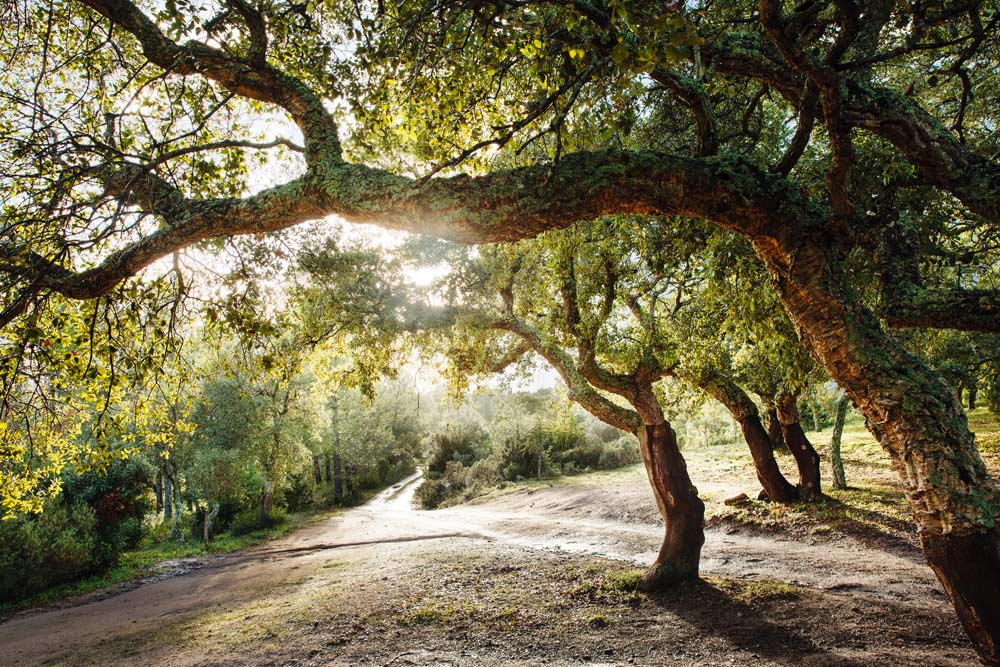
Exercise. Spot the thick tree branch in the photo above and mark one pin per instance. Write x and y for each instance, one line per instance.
(502, 206)
(580, 391)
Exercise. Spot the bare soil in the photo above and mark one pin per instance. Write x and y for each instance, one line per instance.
(533, 577)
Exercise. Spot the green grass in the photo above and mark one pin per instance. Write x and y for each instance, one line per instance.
(872, 506)
(754, 592)
(153, 549)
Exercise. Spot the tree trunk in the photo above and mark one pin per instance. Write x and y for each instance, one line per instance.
(814, 408)
(158, 490)
(777, 488)
(774, 429)
(839, 477)
(267, 501)
(338, 475)
(744, 411)
(973, 394)
(317, 471)
(915, 418)
(338, 482)
(806, 458)
(329, 475)
(683, 511)
(206, 533)
(168, 499)
(176, 532)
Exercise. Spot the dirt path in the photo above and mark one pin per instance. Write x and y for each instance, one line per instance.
(503, 583)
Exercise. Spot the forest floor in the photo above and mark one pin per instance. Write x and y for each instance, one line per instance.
(542, 573)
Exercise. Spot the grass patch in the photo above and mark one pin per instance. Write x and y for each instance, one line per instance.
(434, 614)
(598, 621)
(756, 592)
(605, 583)
(154, 549)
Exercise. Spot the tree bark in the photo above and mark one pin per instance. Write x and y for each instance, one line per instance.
(210, 514)
(744, 411)
(682, 510)
(317, 471)
(338, 481)
(814, 409)
(916, 419)
(168, 499)
(158, 490)
(338, 475)
(806, 458)
(973, 394)
(777, 488)
(267, 501)
(836, 462)
(774, 429)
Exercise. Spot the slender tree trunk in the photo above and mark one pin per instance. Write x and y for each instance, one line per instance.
(777, 488)
(806, 458)
(338, 475)
(267, 501)
(329, 475)
(744, 411)
(317, 471)
(916, 419)
(839, 478)
(206, 533)
(338, 478)
(158, 490)
(682, 510)
(973, 394)
(176, 532)
(168, 499)
(814, 408)
(774, 429)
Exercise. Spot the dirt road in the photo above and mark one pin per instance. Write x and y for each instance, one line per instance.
(523, 579)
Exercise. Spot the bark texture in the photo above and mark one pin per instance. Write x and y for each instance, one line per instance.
(210, 514)
(806, 458)
(682, 510)
(774, 429)
(836, 461)
(917, 420)
(745, 412)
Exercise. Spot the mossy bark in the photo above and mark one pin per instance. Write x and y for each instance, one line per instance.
(836, 460)
(917, 420)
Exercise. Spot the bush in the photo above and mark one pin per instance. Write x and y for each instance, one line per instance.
(431, 493)
(40, 551)
(464, 444)
(250, 520)
(119, 502)
(622, 452)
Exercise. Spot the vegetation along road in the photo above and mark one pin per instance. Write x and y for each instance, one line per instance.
(534, 576)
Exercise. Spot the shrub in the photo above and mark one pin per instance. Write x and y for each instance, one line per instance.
(622, 452)
(39, 551)
(119, 502)
(431, 493)
(250, 520)
(464, 444)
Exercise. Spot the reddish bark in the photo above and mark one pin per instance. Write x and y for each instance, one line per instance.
(683, 511)
(806, 458)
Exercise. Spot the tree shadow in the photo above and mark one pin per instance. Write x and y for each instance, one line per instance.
(715, 612)
(874, 529)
